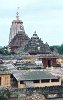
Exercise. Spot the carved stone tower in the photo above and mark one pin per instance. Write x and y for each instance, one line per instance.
(36, 46)
(17, 36)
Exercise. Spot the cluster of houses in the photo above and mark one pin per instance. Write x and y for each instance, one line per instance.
(27, 70)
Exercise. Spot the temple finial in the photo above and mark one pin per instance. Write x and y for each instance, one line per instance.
(35, 31)
(17, 14)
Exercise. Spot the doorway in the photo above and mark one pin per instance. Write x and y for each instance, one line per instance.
(49, 62)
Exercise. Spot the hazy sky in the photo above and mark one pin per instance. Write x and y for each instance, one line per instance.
(44, 16)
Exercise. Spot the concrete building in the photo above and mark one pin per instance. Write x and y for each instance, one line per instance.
(46, 60)
(4, 79)
(4, 76)
(34, 78)
(49, 60)
(27, 78)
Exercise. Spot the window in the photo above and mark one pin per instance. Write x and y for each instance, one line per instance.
(21, 82)
(36, 81)
(54, 80)
(45, 81)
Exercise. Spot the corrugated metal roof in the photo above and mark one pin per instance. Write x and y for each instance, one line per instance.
(32, 75)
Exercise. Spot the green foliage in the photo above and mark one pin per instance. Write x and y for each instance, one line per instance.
(58, 47)
(4, 94)
(4, 51)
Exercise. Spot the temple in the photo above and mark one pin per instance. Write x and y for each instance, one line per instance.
(18, 40)
(36, 46)
(17, 37)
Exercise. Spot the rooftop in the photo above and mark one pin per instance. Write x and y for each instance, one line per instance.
(32, 75)
(4, 73)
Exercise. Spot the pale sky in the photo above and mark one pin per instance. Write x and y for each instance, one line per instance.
(44, 16)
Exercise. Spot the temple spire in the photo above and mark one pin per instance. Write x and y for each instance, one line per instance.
(17, 14)
(35, 32)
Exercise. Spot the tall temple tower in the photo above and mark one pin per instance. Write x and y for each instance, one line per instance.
(17, 37)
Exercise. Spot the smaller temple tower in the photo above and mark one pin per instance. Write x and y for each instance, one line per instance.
(36, 46)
